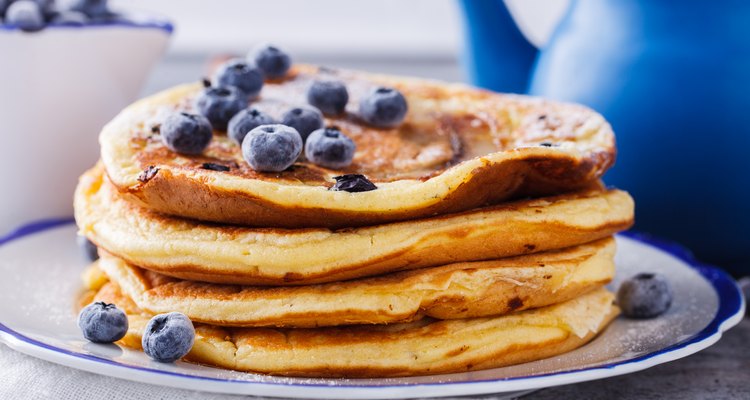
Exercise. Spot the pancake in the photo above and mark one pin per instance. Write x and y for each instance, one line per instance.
(423, 347)
(463, 290)
(252, 256)
(459, 148)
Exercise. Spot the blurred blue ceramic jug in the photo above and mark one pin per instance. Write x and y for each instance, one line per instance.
(673, 79)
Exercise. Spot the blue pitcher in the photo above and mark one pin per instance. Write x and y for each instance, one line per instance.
(673, 79)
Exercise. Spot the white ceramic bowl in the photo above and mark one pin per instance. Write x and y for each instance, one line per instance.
(58, 87)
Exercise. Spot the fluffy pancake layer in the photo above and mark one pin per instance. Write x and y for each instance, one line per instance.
(463, 290)
(418, 348)
(251, 256)
(459, 148)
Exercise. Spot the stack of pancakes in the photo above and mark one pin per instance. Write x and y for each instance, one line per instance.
(486, 243)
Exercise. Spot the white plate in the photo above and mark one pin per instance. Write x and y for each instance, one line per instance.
(40, 265)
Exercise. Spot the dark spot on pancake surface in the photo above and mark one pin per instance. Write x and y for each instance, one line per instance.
(148, 174)
(515, 303)
(353, 183)
(293, 276)
(215, 167)
(455, 352)
(529, 247)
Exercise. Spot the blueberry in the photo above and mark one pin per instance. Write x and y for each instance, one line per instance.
(645, 295)
(47, 7)
(353, 183)
(26, 15)
(330, 97)
(304, 119)
(273, 61)
(241, 75)
(92, 8)
(245, 121)
(186, 133)
(88, 248)
(168, 337)
(3, 6)
(70, 18)
(220, 104)
(383, 108)
(102, 323)
(271, 148)
(329, 148)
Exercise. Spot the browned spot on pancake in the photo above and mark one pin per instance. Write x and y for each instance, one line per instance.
(547, 276)
(293, 276)
(455, 352)
(148, 174)
(460, 233)
(529, 247)
(515, 303)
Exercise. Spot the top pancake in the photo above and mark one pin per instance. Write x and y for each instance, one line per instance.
(458, 148)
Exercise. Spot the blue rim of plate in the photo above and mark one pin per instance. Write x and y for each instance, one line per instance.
(731, 309)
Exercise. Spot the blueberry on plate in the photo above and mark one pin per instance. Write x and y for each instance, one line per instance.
(271, 148)
(245, 121)
(330, 97)
(186, 133)
(383, 108)
(26, 15)
(645, 295)
(168, 337)
(219, 104)
(329, 148)
(102, 323)
(241, 75)
(273, 61)
(304, 119)
(92, 8)
(88, 248)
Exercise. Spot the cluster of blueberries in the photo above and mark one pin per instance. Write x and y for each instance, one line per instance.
(269, 145)
(34, 15)
(167, 337)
